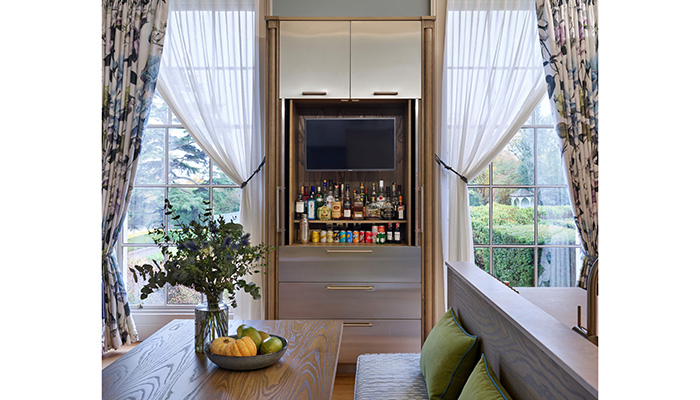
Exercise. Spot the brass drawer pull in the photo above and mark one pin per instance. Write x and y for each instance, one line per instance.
(311, 93)
(349, 251)
(386, 93)
(349, 287)
(357, 324)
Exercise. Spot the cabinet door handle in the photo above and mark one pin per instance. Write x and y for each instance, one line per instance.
(277, 209)
(379, 93)
(349, 287)
(312, 93)
(357, 324)
(349, 251)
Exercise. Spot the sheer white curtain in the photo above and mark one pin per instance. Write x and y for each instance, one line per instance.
(492, 81)
(210, 78)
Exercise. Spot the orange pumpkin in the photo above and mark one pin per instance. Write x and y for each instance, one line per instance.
(222, 346)
(244, 347)
(228, 346)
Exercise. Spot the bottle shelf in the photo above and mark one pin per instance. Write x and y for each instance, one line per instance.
(354, 221)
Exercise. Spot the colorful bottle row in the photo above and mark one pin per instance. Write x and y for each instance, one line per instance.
(353, 233)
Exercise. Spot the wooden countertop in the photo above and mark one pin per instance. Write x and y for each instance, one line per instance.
(166, 366)
(559, 302)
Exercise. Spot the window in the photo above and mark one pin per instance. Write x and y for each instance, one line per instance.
(171, 165)
(521, 215)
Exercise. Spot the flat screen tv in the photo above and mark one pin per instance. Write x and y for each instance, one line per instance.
(350, 144)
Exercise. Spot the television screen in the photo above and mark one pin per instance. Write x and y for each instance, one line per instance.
(350, 144)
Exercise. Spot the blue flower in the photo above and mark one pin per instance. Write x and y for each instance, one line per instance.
(245, 240)
(227, 240)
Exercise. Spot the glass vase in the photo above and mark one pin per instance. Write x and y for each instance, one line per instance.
(210, 322)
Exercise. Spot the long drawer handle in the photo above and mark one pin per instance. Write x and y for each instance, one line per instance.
(357, 324)
(349, 251)
(379, 93)
(349, 287)
(311, 93)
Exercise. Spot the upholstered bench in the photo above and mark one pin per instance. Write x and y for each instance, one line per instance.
(389, 376)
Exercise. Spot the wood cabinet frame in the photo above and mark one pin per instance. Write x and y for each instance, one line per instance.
(425, 180)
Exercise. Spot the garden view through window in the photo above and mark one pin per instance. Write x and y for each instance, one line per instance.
(171, 165)
(521, 214)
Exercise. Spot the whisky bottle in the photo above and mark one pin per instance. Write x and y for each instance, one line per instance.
(357, 206)
(329, 197)
(387, 211)
(299, 205)
(336, 204)
(347, 204)
(374, 209)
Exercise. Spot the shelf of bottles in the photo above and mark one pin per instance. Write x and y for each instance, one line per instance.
(335, 212)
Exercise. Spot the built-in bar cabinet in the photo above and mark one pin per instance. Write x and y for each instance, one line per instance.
(350, 102)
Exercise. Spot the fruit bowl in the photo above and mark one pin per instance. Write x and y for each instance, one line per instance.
(246, 363)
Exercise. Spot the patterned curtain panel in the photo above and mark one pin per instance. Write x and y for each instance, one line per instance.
(132, 37)
(569, 41)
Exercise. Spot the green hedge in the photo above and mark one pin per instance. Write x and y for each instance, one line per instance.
(514, 225)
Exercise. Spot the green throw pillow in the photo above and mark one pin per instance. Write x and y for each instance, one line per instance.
(483, 384)
(447, 358)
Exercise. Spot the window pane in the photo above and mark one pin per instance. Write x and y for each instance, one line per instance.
(513, 216)
(218, 176)
(479, 200)
(481, 258)
(151, 164)
(515, 266)
(227, 202)
(158, 114)
(557, 267)
(543, 112)
(550, 170)
(188, 163)
(555, 218)
(138, 256)
(188, 203)
(145, 214)
(515, 164)
(482, 178)
(183, 295)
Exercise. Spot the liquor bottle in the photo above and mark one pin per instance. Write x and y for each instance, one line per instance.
(394, 198)
(387, 211)
(390, 233)
(397, 234)
(365, 202)
(320, 201)
(381, 235)
(299, 205)
(357, 206)
(311, 204)
(304, 234)
(336, 204)
(347, 204)
(329, 197)
(374, 210)
(400, 209)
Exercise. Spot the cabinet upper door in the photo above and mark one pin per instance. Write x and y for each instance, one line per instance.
(314, 59)
(386, 59)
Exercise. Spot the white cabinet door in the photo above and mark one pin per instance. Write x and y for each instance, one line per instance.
(385, 59)
(314, 59)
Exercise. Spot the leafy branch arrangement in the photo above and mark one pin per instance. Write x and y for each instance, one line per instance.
(210, 255)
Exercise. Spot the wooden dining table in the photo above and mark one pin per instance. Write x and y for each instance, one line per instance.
(165, 365)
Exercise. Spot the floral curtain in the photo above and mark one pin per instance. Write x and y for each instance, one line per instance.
(569, 42)
(132, 38)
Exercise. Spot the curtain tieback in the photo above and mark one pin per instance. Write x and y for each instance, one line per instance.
(256, 171)
(447, 167)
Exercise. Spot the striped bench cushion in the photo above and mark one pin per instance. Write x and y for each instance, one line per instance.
(389, 376)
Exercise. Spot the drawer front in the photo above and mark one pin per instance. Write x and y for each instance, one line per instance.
(347, 264)
(378, 336)
(349, 300)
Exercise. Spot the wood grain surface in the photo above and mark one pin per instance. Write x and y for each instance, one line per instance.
(534, 355)
(165, 366)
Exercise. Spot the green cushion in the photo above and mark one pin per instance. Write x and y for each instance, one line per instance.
(483, 384)
(447, 358)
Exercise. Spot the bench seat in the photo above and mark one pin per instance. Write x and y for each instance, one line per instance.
(389, 376)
